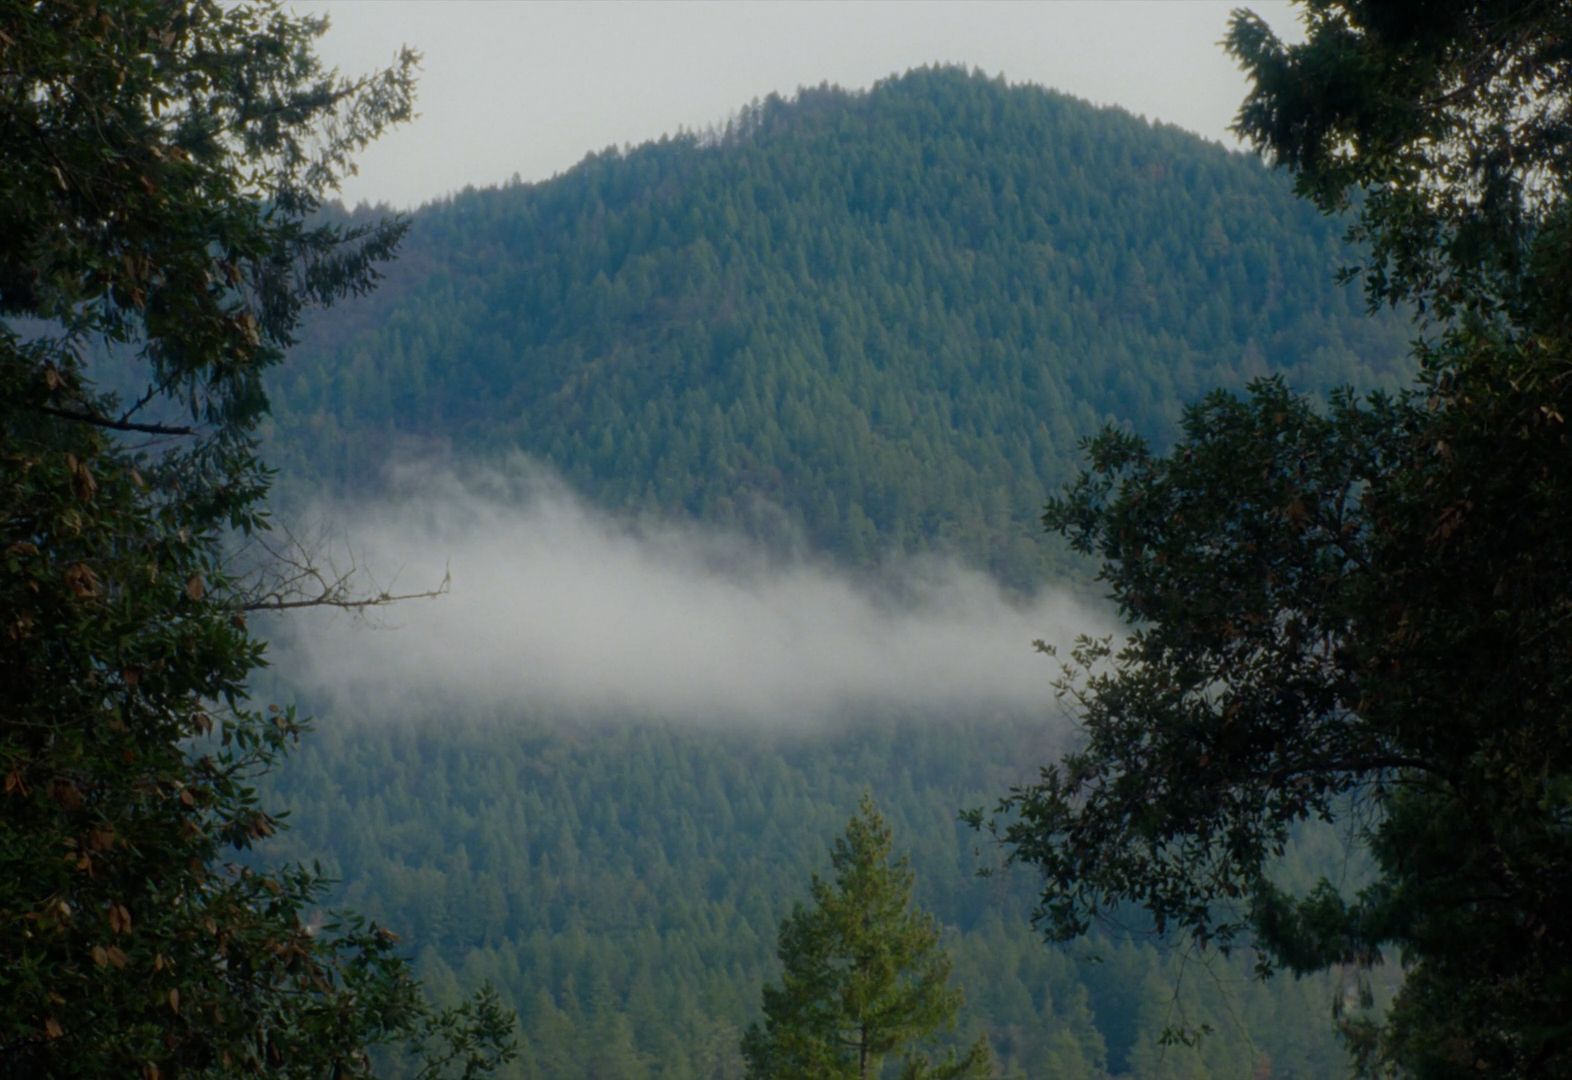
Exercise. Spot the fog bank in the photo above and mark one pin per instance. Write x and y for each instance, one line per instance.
(557, 607)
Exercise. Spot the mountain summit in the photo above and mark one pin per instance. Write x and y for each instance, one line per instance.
(869, 322)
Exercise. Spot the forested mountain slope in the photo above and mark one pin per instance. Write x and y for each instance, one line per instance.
(869, 322)
(860, 323)
(622, 888)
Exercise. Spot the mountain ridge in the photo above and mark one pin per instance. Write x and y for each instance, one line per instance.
(878, 321)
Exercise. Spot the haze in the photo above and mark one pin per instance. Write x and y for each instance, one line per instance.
(559, 608)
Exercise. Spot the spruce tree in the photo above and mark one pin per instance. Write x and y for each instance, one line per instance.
(863, 974)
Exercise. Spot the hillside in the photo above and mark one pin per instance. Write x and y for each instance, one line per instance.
(862, 323)
(622, 888)
(853, 324)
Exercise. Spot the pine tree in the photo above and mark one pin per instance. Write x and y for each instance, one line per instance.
(864, 976)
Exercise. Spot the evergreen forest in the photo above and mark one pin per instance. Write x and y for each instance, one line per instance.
(867, 323)
(622, 886)
(941, 581)
(859, 324)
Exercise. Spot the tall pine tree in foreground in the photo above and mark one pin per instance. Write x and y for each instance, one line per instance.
(863, 975)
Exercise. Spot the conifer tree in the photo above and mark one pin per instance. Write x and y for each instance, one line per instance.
(864, 976)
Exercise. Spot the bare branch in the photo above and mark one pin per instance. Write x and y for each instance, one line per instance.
(291, 573)
(326, 599)
(114, 425)
(154, 390)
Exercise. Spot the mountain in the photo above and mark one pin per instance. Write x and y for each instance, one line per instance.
(863, 323)
(856, 324)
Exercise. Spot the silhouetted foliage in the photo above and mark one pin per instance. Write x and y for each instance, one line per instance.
(160, 167)
(1361, 609)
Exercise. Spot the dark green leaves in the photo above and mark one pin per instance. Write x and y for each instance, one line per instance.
(1447, 124)
(1229, 713)
(1361, 612)
(159, 166)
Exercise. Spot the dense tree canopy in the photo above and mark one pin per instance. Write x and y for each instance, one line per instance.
(623, 887)
(864, 322)
(1360, 608)
(160, 165)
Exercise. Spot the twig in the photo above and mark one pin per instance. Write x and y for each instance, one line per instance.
(115, 425)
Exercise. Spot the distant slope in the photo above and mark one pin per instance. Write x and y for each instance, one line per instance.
(622, 888)
(874, 321)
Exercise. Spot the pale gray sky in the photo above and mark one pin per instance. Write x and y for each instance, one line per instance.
(530, 88)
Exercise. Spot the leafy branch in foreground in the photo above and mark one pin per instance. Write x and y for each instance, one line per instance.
(1360, 607)
(161, 168)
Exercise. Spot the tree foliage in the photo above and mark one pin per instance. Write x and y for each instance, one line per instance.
(863, 976)
(161, 166)
(1360, 609)
(1447, 123)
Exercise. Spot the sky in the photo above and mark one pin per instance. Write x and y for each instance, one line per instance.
(528, 89)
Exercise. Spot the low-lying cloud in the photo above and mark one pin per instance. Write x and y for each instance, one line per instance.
(556, 607)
